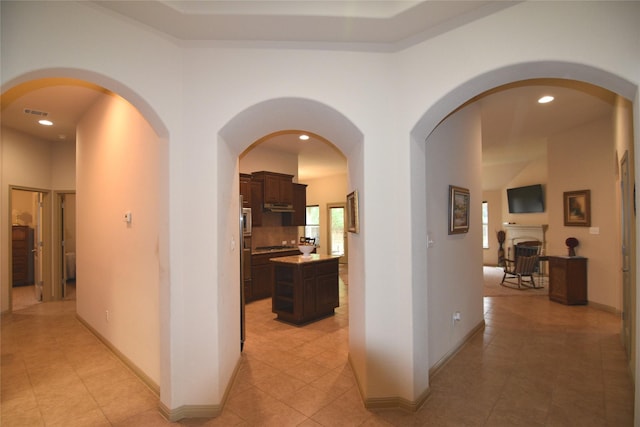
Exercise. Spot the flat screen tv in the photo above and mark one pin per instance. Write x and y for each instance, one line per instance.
(527, 199)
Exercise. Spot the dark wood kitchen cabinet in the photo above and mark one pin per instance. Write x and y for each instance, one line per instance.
(22, 255)
(277, 187)
(305, 289)
(256, 203)
(261, 277)
(568, 279)
(262, 274)
(299, 217)
(245, 190)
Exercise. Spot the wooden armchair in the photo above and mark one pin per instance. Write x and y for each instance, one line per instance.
(524, 265)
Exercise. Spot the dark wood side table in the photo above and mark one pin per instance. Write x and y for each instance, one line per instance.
(568, 279)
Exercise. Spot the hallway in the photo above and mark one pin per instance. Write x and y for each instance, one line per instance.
(536, 363)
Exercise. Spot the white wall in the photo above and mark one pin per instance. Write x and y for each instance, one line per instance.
(118, 264)
(454, 263)
(200, 95)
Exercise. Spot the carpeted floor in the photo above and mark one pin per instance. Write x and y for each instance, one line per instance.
(492, 287)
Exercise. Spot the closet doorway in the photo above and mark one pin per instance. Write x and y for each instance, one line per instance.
(30, 246)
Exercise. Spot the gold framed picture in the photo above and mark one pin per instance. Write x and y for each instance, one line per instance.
(353, 224)
(577, 208)
(459, 206)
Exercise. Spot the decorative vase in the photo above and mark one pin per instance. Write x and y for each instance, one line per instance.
(571, 243)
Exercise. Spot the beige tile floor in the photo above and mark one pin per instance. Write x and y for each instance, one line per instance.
(536, 363)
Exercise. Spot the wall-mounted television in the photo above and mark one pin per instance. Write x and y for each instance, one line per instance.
(527, 199)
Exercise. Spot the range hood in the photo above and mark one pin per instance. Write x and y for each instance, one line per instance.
(278, 207)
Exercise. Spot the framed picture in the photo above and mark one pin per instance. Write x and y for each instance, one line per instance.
(459, 206)
(577, 208)
(353, 225)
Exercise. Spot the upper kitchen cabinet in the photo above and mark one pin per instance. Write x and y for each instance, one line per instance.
(245, 190)
(277, 187)
(299, 216)
(256, 203)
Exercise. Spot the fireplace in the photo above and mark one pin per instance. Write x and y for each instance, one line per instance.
(517, 233)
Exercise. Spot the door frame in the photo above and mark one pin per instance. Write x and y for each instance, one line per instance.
(45, 254)
(627, 222)
(59, 274)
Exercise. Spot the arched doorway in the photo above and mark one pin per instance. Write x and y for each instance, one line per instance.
(143, 146)
(252, 124)
(427, 202)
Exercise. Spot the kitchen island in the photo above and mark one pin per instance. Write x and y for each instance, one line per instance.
(305, 288)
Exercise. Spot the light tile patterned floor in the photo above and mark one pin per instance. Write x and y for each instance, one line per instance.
(536, 363)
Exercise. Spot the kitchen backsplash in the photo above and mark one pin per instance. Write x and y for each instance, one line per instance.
(272, 233)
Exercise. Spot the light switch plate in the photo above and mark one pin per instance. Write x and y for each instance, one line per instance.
(594, 230)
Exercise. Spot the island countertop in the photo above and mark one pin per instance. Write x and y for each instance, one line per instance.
(299, 259)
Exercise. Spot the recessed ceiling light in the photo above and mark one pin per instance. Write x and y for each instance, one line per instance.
(545, 99)
(304, 137)
(44, 122)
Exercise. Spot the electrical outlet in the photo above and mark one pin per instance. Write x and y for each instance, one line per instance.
(456, 316)
(107, 315)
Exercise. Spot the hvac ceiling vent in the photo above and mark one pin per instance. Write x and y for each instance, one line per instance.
(35, 112)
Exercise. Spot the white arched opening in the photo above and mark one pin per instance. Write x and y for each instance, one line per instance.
(236, 136)
(427, 262)
(138, 142)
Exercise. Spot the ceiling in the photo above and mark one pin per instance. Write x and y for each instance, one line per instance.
(381, 25)
(514, 125)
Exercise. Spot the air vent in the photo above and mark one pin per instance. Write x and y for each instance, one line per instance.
(35, 112)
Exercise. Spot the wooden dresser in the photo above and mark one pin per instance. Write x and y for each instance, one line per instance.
(22, 252)
(568, 279)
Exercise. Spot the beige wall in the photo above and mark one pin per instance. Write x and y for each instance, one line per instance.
(534, 173)
(264, 159)
(323, 191)
(23, 207)
(32, 163)
(584, 159)
(494, 199)
(119, 264)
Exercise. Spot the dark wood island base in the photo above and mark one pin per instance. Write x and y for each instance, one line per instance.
(305, 289)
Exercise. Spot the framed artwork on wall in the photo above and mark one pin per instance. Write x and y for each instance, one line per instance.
(577, 208)
(459, 206)
(353, 224)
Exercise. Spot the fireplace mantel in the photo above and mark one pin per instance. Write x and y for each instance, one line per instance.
(517, 233)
